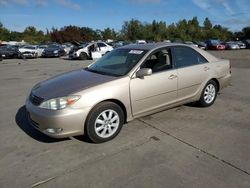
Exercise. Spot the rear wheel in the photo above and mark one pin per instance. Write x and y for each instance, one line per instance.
(104, 122)
(83, 56)
(209, 94)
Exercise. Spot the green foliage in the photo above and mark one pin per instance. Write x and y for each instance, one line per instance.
(183, 30)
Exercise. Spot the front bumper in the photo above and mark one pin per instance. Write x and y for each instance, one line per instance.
(68, 122)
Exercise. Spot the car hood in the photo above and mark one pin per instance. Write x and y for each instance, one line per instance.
(69, 83)
(26, 50)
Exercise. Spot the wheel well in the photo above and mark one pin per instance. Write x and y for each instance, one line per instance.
(121, 105)
(83, 53)
(217, 82)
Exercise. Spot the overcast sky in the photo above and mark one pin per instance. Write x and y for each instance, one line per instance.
(99, 14)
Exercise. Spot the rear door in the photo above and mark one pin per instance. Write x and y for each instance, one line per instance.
(193, 71)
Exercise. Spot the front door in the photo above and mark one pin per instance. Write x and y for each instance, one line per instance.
(156, 90)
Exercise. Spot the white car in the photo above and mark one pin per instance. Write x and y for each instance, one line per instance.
(140, 42)
(40, 49)
(28, 51)
(91, 50)
(191, 44)
(67, 47)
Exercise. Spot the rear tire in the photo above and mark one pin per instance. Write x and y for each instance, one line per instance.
(209, 94)
(83, 56)
(104, 122)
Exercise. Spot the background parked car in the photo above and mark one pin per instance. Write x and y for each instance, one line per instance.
(9, 51)
(201, 45)
(53, 50)
(214, 44)
(241, 44)
(28, 51)
(231, 45)
(90, 50)
(40, 49)
(191, 44)
(67, 47)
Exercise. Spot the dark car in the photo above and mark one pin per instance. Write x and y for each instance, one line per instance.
(247, 43)
(214, 44)
(8, 52)
(53, 51)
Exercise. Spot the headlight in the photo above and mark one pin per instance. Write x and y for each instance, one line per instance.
(56, 51)
(59, 103)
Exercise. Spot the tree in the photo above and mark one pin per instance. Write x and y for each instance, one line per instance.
(246, 32)
(132, 30)
(108, 34)
(207, 24)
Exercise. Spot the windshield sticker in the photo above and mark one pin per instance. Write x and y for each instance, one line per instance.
(136, 52)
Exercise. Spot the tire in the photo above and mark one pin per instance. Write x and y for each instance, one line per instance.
(209, 94)
(99, 127)
(83, 56)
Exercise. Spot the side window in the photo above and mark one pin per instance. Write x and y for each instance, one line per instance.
(159, 61)
(101, 44)
(185, 56)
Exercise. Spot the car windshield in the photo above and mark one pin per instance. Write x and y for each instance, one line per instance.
(117, 62)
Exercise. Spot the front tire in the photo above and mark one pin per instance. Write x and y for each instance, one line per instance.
(209, 94)
(104, 122)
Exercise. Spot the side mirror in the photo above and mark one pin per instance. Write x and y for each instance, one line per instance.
(143, 72)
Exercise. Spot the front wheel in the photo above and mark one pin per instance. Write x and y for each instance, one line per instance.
(104, 122)
(209, 94)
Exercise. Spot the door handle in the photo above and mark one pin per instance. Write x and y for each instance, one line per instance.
(206, 68)
(172, 76)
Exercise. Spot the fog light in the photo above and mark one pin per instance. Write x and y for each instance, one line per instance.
(53, 131)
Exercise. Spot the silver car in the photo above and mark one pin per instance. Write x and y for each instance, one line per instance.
(127, 83)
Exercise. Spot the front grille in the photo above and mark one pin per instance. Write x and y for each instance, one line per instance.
(35, 99)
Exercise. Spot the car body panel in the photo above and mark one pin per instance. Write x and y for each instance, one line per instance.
(74, 80)
(146, 95)
(191, 80)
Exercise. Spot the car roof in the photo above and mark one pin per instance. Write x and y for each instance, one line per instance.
(152, 46)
